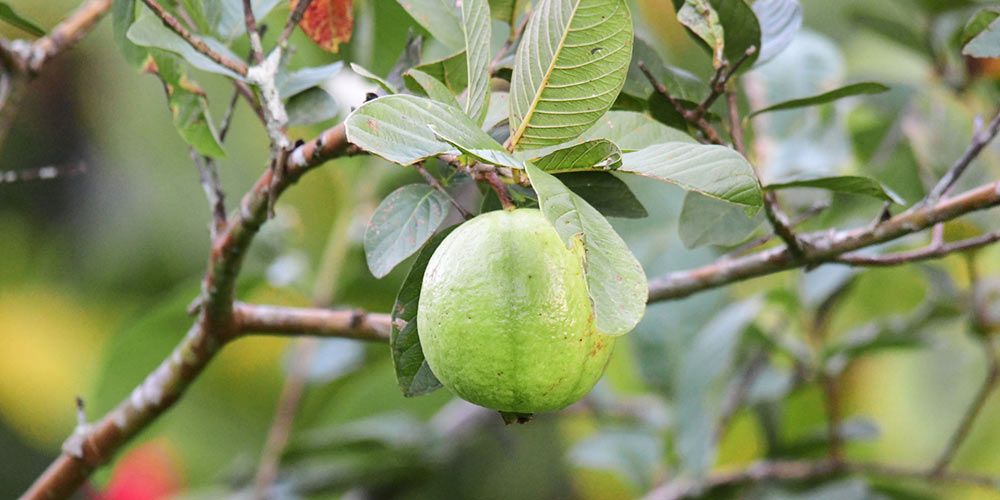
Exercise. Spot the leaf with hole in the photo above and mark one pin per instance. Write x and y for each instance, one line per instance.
(615, 279)
(851, 184)
(401, 224)
(412, 372)
(568, 69)
(854, 89)
(711, 170)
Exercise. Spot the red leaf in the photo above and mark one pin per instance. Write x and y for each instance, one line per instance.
(328, 22)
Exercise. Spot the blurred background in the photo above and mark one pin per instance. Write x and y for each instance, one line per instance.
(97, 269)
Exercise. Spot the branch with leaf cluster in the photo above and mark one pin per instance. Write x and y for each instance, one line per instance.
(221, 319)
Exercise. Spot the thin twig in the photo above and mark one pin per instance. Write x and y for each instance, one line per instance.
(293, 20)
(41, 174)
(208, 174)
(256, 48)
(979, 140)
(437, 185)
(720, 80)
(735, 126)
(972, 412)
(198, 44)
(500, 189)
(690, 116)
(932, 251)
(793, 223)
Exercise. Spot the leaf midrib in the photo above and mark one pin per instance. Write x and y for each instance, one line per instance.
(545, 80)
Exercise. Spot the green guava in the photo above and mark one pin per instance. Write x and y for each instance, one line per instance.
(504, 318)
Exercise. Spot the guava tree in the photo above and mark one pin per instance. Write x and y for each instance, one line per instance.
(533, 123)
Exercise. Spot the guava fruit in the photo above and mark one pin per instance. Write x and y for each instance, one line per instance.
(504, 318)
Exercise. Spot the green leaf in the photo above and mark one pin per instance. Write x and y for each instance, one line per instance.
(976, 25)
(8, 15)
(634, 131)
(729, 27)
(433, 87)
(708, 221)
(361, 71)
(815, 100)
(679, 83)
(598, 154)
(605, 192)
(231, 21)
(478, 147)
(412, 372)
(315, 105)
(398, 128)
(986, 44)
(852, 184)
(122, 18)
(149, 31)
(780, 21)
(476, 27)
(711, 170)
(439, 18)
(701, 383)
(615, 279)
(188, 106)
(451, 70)
(568, 69)
(507, 10)
(290, 84)
(401, 224)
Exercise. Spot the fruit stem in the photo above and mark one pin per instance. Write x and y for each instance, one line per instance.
(501, 190)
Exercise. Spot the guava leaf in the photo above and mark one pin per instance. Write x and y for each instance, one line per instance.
(451, 71)
(728, 27)
(11, 17)
(633, 131)
(412, 372)
(708, 221)
(616, 281)
(314, 105)
(399, 129)
(986, 43)
(483, 150)
(846, 91)
(231, 21)
(187, 103)
(568, 69)
(507, 10)
(597, 154)
(149, 31)
(328, 23)
(852, 184)
(605, 192)
(439, 18)
(979, 22)
(363, 72)
(715, 171)
(476, 27)
(401, 224)
(433, 87)
(292, 83)
(780, 21)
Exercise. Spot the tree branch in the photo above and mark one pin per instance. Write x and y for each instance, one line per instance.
(437, 186)
(824, 246)
(979, 140)
(275, 320)
(802, 470)
(932, 251)
(217, 323)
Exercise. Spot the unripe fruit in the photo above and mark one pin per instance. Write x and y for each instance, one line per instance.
(504, 318)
